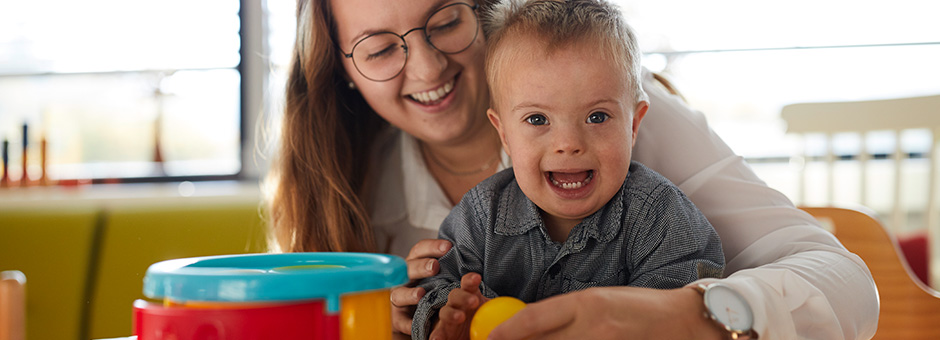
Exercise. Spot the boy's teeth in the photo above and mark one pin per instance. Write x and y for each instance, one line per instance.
(433, 95)
(573, 185)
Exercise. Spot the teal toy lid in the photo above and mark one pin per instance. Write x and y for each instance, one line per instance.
(273, 277)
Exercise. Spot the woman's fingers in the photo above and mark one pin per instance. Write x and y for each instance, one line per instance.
(406, 296)
(403, 301)
(429, 248)
(422, 263)
(401, 319)
(422, 268)
(422, 259)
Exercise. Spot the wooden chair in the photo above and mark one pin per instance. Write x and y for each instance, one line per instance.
(909, 310)
(12, 305)
(864, 117)
(908, 214)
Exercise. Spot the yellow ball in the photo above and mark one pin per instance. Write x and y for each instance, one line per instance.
(491, 314)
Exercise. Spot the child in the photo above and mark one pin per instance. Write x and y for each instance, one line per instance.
(574, 212)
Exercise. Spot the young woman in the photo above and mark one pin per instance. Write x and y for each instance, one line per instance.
(386, 128)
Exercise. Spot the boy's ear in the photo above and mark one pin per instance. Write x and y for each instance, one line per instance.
(638, 113)
(494, 119)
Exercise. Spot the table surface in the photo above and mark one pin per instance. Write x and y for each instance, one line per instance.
(395, 336)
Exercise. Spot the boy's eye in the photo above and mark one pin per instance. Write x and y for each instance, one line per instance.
(597, 118)
(537, 119)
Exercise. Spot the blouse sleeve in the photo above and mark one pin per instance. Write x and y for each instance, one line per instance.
(799, 280)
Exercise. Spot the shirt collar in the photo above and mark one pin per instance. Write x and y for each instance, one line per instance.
(516, 213)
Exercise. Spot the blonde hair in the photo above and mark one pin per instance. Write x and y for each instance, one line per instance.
(557, 24)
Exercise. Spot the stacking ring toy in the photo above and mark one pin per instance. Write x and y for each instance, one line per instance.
(322, 296)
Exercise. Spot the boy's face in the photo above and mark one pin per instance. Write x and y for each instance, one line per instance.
(569, 121)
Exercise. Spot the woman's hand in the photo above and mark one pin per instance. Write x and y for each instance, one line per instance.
(422, 263)
(613, 313)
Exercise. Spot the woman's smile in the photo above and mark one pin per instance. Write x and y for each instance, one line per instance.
(436, 99)
(435, 95)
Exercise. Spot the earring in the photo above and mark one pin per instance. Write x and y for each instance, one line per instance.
(352, 85)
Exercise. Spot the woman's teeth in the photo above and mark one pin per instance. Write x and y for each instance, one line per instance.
(433, 95)
(573, 185)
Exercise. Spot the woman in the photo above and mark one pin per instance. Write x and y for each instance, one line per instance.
(385, 129)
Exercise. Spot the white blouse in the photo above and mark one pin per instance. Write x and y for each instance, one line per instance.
(799, 280)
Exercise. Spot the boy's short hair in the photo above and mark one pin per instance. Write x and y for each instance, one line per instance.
(559, 23)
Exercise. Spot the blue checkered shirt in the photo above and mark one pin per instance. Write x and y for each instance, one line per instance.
(648, 235)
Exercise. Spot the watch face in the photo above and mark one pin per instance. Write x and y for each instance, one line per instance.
(729, 308)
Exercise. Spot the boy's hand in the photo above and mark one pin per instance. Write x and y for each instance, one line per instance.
(422, 263)
(462, 303)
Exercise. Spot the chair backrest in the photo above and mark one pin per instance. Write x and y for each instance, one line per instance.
(12, 305)
(863, 117)
(53, 247)
(909, 310)
(137, 236)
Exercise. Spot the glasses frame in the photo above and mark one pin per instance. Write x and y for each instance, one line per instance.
(404, 44)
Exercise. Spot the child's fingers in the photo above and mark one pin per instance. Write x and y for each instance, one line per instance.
(451, 315)
(451, 324)
(463, 300)
(454, 317)
(470, 282)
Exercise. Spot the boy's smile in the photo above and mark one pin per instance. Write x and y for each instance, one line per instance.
(570, 184)
(568, 119)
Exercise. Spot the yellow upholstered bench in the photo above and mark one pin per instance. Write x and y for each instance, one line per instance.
(85, 259)
(53, 247)
(136, 237)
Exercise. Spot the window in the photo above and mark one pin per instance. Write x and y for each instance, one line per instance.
(740, 62)
(124, 90)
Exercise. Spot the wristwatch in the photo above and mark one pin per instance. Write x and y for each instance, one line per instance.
(729, 310)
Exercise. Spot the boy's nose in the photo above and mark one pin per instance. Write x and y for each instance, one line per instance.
(569, 141)
(424, 62)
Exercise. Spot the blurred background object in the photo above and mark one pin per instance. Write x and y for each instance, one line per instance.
(12, 305)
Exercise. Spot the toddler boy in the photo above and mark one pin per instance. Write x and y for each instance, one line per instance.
(573, 212)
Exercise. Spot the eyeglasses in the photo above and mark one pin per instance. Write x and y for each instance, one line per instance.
(382, 56)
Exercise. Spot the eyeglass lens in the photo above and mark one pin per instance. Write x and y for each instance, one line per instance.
(382, 56)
